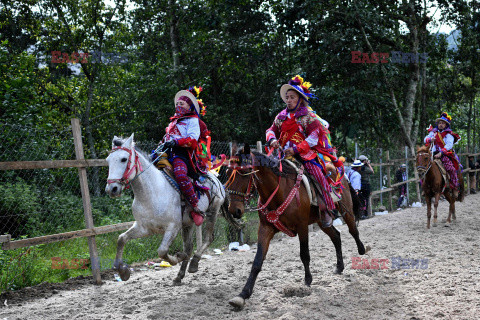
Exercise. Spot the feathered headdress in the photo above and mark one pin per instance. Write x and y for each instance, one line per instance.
(445, 117)
(196, 92)
(298, 84)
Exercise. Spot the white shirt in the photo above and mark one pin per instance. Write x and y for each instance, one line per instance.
(184, 128)
(448, 141)
(355, 179)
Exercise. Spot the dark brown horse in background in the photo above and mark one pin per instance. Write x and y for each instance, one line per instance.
(433, 185)
(265, 175)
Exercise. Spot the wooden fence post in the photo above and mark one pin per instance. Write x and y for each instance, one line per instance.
(259, 146)
(389, 182)
(87, 206)
(468, 173)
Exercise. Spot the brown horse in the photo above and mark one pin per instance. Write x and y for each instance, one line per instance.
(433, 185)
(274, 182)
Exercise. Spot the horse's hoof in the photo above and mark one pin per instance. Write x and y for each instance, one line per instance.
(193, 266)
(177, 281)
(338, 271)
(124, 272)
(237, 302)
(361, 250)
(434, 224)
(367, 249)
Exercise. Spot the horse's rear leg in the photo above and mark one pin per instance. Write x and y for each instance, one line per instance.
(451, 210)
(435, 209)
(334, 235)
(352, 228)
(170, 235)
(305, 252)
(265, 235)
(209, 236)
(135, 231)
(187, 235)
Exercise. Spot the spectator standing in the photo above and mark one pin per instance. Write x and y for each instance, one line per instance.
(472, 175)
(365, 171)
(401, 176)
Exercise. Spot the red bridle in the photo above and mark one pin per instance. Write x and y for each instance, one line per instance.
(132, 165)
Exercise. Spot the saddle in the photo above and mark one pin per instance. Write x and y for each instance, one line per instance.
(443, 171)
(312, 186)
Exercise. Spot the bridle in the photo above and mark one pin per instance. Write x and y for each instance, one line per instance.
(133, 170)
(248, 194)
(424, 169)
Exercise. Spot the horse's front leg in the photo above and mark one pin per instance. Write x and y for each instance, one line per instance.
(428, 200)
(135, 231)
(265, 235)
(170, 235)
(187, 235)
(305, 252)
(334, 235)
(435, 208)
(209, 226)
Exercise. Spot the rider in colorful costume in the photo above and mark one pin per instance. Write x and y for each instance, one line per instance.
(443, 139)
(180, 141)
(300, 132)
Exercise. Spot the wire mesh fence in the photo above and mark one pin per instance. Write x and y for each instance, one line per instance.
(41, 202)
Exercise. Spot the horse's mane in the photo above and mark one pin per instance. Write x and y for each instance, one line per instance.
(119, 141)
(272, 163)
(423, 149)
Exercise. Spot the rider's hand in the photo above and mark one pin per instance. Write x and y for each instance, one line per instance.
(289, 152)
(169, 144)
(274, 144)
(438, 155)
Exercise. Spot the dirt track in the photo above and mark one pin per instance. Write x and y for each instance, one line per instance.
(449, 288)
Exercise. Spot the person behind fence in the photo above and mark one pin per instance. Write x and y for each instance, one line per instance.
(442, 139)
(401, 176)
(301, 133)
(366, 171)
(181, 140)
(472, 175)
(354, 176)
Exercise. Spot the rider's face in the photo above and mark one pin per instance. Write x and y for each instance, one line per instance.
(292, 99)
(183, 104)
(441, 125)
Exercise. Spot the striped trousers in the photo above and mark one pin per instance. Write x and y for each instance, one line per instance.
(317, 173)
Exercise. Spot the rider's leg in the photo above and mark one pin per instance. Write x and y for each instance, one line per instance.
(448, 164)
(180, 170)
(317, 173)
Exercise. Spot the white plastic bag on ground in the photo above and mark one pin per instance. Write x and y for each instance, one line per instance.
(337, 222)
(233, 246)
(416, 205)
(381, 213)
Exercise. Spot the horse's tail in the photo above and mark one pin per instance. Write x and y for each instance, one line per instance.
(461, 188)
(356, 202)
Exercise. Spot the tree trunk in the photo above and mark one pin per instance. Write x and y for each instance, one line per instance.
(174, 19)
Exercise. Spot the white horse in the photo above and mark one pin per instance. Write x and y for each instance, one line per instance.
(157, 206)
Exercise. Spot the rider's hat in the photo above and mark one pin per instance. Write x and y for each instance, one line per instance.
(357, 163)
(300, 86)
(362, 158)
(445, 117)
(192, 98)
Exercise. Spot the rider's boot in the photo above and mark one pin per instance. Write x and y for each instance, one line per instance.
(197, 215)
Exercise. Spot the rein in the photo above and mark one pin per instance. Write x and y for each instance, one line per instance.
(131, 166)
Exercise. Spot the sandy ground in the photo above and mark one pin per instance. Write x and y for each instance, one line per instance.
(448, 288)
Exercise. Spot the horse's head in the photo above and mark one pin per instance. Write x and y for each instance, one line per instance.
(240, 181)
(424, 160)
(122, 165)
